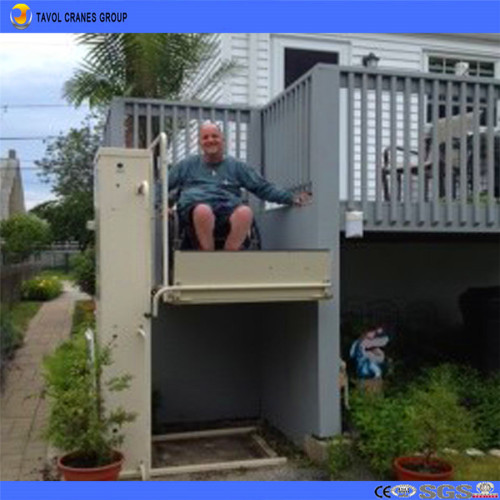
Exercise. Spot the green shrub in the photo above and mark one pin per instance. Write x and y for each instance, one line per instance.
(23, 234)
(84, 270)
(340, 455)
(426, 416)
(41, 288)
(382, 425)
(83, 316)
(10, 337)
(439, 420)
(478, 393)
(78, 420)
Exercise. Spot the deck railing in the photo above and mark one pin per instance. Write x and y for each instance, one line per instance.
(412, 150)
(420, 140)
(286, 141)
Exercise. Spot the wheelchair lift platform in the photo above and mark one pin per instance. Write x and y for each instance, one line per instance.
(253, 276)
(130, 290)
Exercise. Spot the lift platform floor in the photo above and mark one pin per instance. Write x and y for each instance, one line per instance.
(214, 450)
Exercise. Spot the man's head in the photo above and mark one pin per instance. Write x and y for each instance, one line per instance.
(211, 142)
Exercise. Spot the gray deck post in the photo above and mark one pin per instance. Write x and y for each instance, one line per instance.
(116, 123)
(254, 151)
(324, 161)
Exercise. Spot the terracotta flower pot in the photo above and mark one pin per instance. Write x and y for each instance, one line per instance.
(404, 469)
(108, 472)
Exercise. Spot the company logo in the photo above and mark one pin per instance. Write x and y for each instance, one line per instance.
(429, 491)
(383, 491)
(403, 490)
(22, 21)
(485, 490)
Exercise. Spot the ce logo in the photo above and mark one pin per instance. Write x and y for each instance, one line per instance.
(385, 491)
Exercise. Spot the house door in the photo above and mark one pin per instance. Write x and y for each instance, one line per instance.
(292, 55)
(300, 61)
(295, 54)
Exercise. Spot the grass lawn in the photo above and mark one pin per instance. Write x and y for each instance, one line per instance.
(475, 468)
(22, 312)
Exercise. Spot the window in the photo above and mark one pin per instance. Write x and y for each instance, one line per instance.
(300, 61)
(446, 65)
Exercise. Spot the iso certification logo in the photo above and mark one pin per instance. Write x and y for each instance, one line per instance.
(403, 490)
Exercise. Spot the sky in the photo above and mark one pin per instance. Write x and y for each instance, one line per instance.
(33, 70)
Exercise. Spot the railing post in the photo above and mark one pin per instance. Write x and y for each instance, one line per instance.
(324, 164)
(116, 126)
(254, 140)
(255, 144)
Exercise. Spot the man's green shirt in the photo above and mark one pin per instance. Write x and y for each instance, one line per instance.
(220, 183)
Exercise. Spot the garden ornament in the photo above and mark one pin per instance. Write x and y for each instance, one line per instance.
(368, 355)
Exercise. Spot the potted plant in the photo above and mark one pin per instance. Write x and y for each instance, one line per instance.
(79, 423)
(439, 422)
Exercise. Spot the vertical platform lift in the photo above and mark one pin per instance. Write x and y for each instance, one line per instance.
(267, 297)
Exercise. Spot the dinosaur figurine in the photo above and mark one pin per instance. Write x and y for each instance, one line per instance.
(368, 355)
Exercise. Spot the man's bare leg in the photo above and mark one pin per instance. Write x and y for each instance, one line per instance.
(204, 223)
(240, 220)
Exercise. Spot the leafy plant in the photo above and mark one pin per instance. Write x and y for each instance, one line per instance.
(479, 394)
(84, 269)
(78, 419)
(340, 455)
(439, 420)
(10, 336)
(382, 425)
(23, 235)
(41, 288)
(155, 65)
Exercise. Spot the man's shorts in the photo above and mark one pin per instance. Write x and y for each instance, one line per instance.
(222, 212)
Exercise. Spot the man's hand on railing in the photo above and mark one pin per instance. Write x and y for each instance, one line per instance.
(301, 199)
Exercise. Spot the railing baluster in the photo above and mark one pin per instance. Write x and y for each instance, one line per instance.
(423, 195)
(238, 134)
(149, 123)
(436, 212)
(297, 143)
(476, 158)
(364, 143)
(393, 163)
(448, 157)
(174, 134)
(490, 148)
(306, 168)
(407, 173)
(350, 142)
(187, 133)
(200, 122)
(135, 128)
(225, 127)
(378, 148)
(463, 154)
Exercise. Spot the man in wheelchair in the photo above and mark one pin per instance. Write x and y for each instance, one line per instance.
(210, 203)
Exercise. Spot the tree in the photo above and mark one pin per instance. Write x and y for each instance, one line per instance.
(23, 235)
(154, 65)
(68, 163)
(68, 217)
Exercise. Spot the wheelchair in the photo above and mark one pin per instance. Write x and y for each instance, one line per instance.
(183, 237)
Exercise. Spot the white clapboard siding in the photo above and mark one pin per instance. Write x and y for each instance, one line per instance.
(252, 82)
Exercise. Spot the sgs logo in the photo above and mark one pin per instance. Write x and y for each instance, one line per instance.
(21, 16)
(429, 491)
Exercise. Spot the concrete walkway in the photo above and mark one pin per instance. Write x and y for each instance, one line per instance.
(23, 411)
